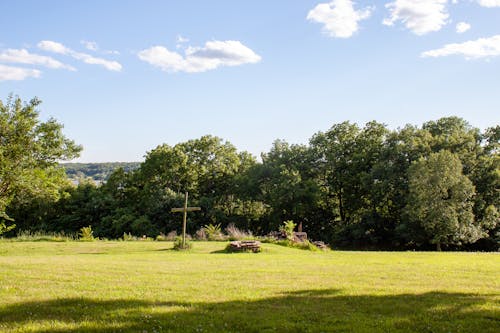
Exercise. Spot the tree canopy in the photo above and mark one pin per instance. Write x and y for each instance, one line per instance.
(29, 152)
(369, 187)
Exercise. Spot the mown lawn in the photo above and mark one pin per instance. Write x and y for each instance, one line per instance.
(146, 287)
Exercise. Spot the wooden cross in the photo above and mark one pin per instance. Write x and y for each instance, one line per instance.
(184, 210)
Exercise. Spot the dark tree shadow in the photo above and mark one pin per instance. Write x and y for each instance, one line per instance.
(301, 311)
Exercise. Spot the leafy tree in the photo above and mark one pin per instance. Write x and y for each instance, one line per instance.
(29, 152)
(440, 200)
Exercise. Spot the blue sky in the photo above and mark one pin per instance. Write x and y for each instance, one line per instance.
(126, 76)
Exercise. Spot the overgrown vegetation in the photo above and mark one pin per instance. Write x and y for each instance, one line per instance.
(425, 187)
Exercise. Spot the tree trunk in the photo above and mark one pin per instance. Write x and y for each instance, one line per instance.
(438, 246)
(341, 207)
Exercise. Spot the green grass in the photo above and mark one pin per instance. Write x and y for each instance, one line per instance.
(147, 287)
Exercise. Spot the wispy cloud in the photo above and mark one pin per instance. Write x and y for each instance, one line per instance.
(475, 49)
(200, 59)
(181, 39)
(92, 46)
(10, 73)
(339, 17)
(489, 3)
(462, 27)
(51, 46)
(22, 56)
(420, 16)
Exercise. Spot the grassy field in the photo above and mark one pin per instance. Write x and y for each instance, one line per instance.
(146, 287)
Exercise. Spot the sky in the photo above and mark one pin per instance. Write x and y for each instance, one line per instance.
(125, 76)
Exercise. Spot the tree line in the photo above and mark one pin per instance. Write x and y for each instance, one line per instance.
(418, 187)
(98, 172)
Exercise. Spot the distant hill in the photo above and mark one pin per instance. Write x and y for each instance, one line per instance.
(99, 172)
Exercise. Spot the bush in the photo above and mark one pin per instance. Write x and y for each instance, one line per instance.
(236, 234)
(200, 234)
(305, 245)
(128, 237)
(178, 244)
(214, 232)
(86, 234)
(287, 229)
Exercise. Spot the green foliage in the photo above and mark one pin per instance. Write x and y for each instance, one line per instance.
(351, 186)
(305, 245)
(440, 200)
(213, 232)
(86, 234)
(98, 172)
(127, 237)
(29, 151)
(5, 228)
(178, 246)
(287, 228)
(39, 236)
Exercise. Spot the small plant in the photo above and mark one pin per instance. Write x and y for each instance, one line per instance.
(214, 232)
(178, 244)
(86, 234)
(287, 228)
(128, 237)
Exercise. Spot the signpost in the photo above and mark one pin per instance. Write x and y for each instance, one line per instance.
(184, 210)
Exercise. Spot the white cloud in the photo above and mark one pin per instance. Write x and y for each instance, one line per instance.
(22, 56)
(420, 16)
(462, 27)
(474, 49)
(92, 46)
(181, 39)
(56, 47)
(9, 73)
(339, 17)
(200, 59)
(489, 3)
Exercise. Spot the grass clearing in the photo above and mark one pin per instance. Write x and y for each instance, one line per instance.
(146, 287)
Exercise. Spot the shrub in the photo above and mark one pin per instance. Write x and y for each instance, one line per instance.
(128, 237)
(287, 229)
(178, 244)
(86, 234)
(172, 235)
(214, 232)
(236, 234)
(305, 245)
(201, 234)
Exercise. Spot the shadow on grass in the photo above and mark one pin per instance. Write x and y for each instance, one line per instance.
(302, 311)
